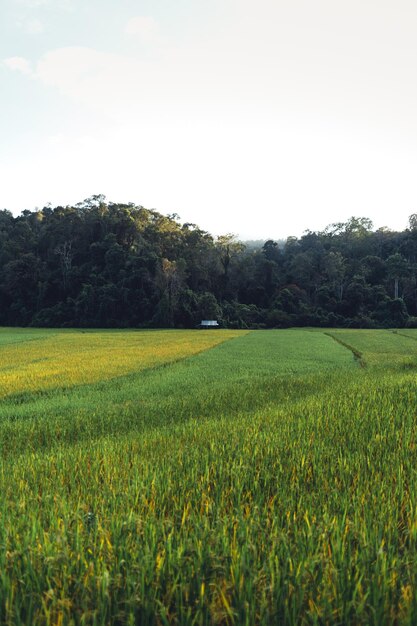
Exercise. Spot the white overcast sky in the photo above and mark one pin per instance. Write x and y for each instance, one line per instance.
(259, 117)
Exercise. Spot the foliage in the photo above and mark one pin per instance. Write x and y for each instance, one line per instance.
(107, 265)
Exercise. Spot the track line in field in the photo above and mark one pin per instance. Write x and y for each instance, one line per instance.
(358, 356)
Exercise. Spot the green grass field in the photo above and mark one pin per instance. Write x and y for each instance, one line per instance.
(208, 477)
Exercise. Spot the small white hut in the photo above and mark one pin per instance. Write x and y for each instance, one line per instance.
(208, 324)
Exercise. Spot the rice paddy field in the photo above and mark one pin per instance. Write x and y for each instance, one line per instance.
(208, 477)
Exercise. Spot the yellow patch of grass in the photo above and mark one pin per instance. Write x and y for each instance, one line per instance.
(70, 358)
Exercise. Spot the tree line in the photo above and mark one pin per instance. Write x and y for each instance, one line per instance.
(103, 264)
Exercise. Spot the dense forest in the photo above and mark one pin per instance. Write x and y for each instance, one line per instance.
(102, 264)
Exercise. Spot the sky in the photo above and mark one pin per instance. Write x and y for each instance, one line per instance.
(260, 118)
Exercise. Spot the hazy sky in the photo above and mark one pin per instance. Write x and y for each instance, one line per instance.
(263, 118)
